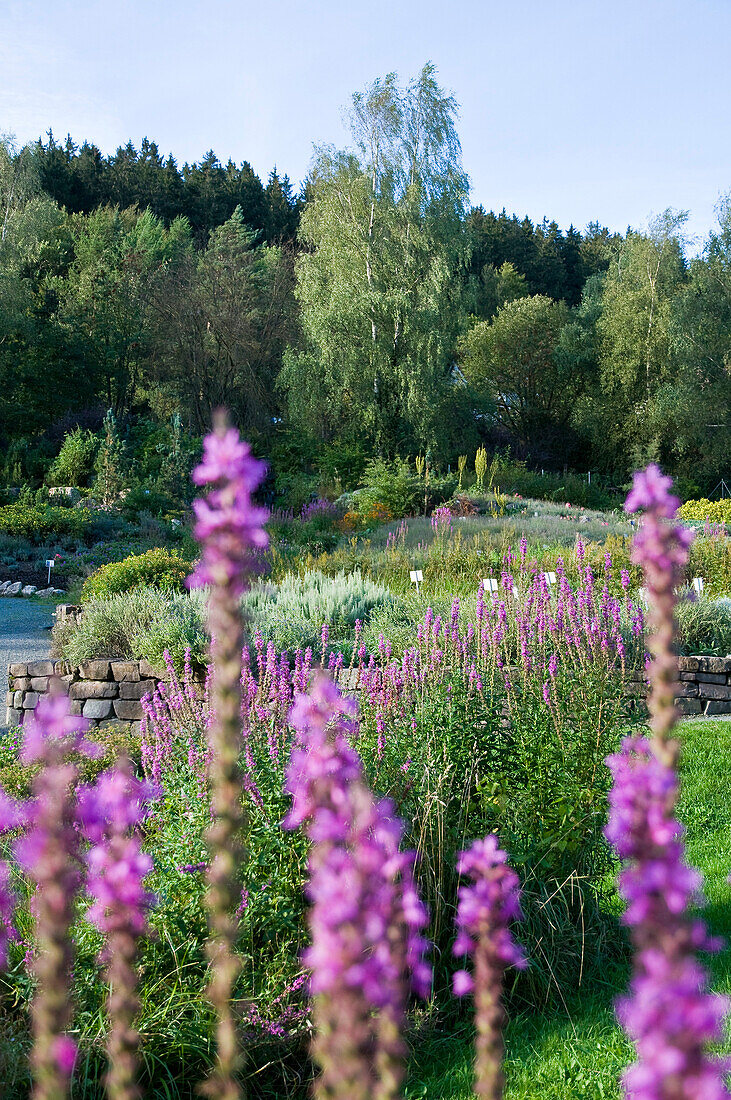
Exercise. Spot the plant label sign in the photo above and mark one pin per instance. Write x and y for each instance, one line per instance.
(416, 577)
(490, 584)
(50, 564)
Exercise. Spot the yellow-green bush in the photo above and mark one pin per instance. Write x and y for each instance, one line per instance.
(717, 511)
(158, 568)
(39, 523)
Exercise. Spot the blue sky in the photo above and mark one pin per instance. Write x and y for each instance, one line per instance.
(578, 110)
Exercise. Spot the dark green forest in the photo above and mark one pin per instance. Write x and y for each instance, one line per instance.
(375, 313)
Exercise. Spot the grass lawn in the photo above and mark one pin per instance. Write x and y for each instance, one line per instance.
(579, 1053)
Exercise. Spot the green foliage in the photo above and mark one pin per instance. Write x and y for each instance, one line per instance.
(377, 281)
(158, 567)
(110, 463)
(74, 463)
(142, 622)
(704, 626)
(715, 511)
(518, 363)
(395, 485)
(292, 614)
(41, 523)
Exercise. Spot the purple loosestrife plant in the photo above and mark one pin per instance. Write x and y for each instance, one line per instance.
(486, 906)
(12, 814)
(116, 869)
(366, 918)
(48, 853)
(669, 1012)
(229, 528)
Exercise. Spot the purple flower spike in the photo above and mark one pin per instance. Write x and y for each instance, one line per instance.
(48, 853)
(669, 1013)
(485, 909)
(228, 525)
(117, 868)
(366, 919)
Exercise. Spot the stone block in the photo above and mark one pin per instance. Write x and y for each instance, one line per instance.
(58, 686)
(29, 590)
(126, 670)
(44, 592)
(685, 691)
(714, 691)
(147, 670)
(17, 700)
(689, 706)
(688, 676)
(13, 589)
(13, 717)
(61, 668)
(714, 664)
(136, 691)
(93, 689)
(20, 683)
(39, 668)
(718, 706)
(76, 706)
(97, 708)
(30, 699)
(710, 677)
(94, 670)
(9, 698)
(4, 585)
(129, 710)
(39, 683)
(18, 670)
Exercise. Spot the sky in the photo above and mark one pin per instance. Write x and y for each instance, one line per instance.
(577, 110)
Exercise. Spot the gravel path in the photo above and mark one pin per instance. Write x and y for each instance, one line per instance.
(25, 635)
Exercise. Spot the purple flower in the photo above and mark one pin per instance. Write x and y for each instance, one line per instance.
(669, 1013)
(486, 906)
(366, 918)
(228, 525)
(48, 852)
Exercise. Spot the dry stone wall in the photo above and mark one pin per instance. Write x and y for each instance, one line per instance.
(111, 691)
(101, 690)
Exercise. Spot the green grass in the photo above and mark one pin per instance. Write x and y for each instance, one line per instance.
(579, 1053)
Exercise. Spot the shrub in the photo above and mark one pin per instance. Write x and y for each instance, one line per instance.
(391, 485)
(43, 522)
(704, 626)
(74, 463)
(292, 614)
(157, 568)
(716, 511)
(141, 623)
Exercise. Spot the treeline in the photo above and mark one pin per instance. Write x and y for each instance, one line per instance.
(375, 313)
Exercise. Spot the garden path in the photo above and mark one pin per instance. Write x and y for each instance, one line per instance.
(25, 635)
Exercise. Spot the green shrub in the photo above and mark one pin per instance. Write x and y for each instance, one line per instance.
(292, 614)
(716, 511)
(157, 568)
(74, 463)
(141, 623)
(43, 522)
(392, 484)
(704, 626)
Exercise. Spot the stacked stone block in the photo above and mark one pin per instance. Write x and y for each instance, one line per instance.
(102, 690)
(108, 690)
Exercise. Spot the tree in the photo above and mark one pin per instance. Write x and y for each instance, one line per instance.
(517, 362)
(633, 332)
(222, 318)
(105, 297)
(377, 280)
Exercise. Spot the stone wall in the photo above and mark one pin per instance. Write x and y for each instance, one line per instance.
(110, 691)
(102, 690)
(704, 685)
